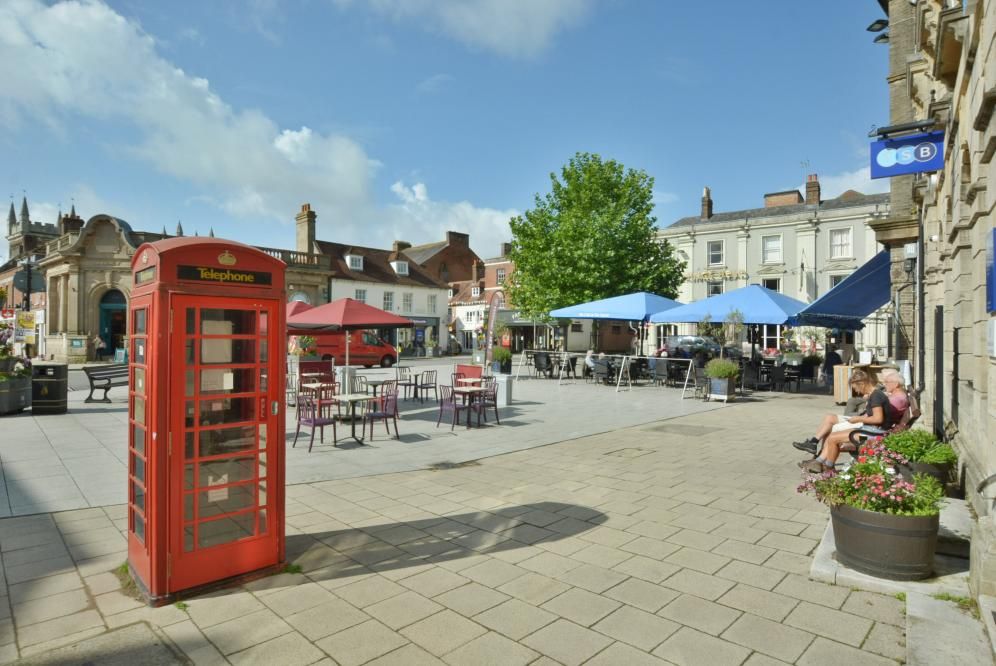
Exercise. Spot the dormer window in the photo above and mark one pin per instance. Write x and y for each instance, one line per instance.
(400, 267)
(355, 262)
(449, 293)
(475, 291)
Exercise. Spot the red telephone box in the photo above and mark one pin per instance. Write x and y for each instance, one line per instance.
(205, 414)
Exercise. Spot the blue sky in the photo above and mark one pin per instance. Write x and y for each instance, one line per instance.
(400, 119)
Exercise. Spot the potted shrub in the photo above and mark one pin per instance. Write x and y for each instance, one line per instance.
(722, 374)
(810, 366)
(926, 454)
(15, 374)
(883, 524)
(501, 360)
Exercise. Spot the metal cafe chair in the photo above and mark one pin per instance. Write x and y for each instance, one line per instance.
(309, 415)
(383, 408)
(449, 402)
(426, 381)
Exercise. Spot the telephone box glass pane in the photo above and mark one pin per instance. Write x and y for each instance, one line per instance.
(230, 470)
(224, 500)
(262, 494)
(228, 322)
(139, 321)
(188, 446)
(225, 530)
(189, 414)
(189, 385)
(139, 354)
(139, 497)
(216, 411)
(188, 477)
(139, 382)
(138, 468)
(191, 321)
(263, 352)
(139, 527)
(235, 380)
(227, 440)
(263, 326)
(188, 507)
(188, 538)
(262, 521)
(138, 438)
(191, 352)
(139, 409)
(215, 351)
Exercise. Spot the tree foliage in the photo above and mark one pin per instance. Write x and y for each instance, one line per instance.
(592, 236)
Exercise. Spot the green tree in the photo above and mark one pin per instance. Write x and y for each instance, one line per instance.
(593, 236)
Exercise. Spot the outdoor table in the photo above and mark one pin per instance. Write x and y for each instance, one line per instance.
(376, 383)
(352, 399)
(469, 392)
(469, 380)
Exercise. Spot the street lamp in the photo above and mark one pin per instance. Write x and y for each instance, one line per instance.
(878, 25)
(882, 38)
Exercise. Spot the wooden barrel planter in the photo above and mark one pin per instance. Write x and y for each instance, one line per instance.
(940, 472)
(884, 545)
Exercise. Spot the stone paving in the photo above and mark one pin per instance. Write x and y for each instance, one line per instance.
(677, 541)
(78, 460)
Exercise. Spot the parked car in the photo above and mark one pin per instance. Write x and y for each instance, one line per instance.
(689, 344)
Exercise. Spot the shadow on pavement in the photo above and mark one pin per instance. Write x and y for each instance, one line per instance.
(413, 543)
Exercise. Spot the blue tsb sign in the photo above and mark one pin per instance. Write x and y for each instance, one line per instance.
(909, 154)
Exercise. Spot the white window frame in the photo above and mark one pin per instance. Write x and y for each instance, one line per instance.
(710, 283)
(778, 280)
(407, 301)
(388, 301)
(850, 243)
(500, 276)
(431, 303)
(722, 253)
(475, 292)
(355, 262)
(842, 276)
(401, 267)
(360, 295)
(768, 260)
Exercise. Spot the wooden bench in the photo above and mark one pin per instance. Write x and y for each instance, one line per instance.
(105, 377)
(859, 436)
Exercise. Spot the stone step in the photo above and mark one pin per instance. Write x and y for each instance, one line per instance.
(940, 632)
(955, 533)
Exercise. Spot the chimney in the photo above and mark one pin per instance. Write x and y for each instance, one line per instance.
(785, 198)
(306, 229)
(706, 203)
(812, 189)
(457, 238)
(506, 249)
(400, 246)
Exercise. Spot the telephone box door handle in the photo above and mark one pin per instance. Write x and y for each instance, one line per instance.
(275, 407)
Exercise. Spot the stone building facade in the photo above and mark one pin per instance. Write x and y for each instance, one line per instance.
(799, 246)
(942, 61)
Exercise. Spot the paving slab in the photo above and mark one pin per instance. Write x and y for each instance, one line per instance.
(134, 644)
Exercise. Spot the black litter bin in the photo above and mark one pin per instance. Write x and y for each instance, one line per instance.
(49, 388)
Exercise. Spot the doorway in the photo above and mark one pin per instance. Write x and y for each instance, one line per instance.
(113, 315)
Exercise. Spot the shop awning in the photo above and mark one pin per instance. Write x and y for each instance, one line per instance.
(857, 296)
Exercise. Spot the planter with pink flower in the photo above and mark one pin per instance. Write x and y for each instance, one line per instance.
(883, 524)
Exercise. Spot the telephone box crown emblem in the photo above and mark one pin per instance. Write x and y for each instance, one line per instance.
(226, 258)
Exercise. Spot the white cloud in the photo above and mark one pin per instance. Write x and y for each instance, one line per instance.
(520, 28)
(664, 198)
(415, 211)
(859, 180)
(434, 83)
(80, 58)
